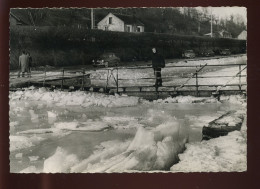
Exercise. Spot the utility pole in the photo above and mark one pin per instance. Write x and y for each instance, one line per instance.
(92, 19)
(211, 29)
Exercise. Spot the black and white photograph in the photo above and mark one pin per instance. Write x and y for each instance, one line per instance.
(128, 90)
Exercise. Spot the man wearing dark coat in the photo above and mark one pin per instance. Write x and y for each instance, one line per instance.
(158, 63)
(29, 63)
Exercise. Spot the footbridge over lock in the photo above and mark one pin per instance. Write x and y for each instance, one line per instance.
(196, 80)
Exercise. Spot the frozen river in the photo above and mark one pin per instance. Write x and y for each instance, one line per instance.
(89, 138)
(55, 131)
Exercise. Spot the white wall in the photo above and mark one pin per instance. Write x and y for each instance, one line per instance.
(141, 28)
(131, 27)
(243, 35)
(117, 24)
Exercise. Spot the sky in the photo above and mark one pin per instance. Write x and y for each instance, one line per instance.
(224, 12)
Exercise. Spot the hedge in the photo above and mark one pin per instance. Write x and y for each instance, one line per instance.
(61, 46)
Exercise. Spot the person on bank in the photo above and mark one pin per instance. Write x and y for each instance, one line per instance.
(158, 63)
(29, 64)
(23, 64)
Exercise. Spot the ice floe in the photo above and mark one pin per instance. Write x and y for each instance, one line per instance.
(21, 142)
(60, 162)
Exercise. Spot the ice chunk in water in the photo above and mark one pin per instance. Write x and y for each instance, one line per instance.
(31, 169)
(51, 114)
(142, 139)
(66, 125)
(13, 124)
(52, 117)
(19, 155)
(61, 161)
(34, 117)
(33, 158)
(19, 142)
(145, 152)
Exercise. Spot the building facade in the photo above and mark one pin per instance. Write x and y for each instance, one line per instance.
(122, 23)
(243, 35)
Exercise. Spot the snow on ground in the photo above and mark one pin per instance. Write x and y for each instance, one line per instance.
(213, 61)
(201, 121)
(187, 100)
(234, 99)
(135, 77)
(229, 121)
(81, 98)
(39, 76)
(222, 154)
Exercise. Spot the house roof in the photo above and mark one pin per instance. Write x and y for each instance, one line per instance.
(129, 19)
(243, 32)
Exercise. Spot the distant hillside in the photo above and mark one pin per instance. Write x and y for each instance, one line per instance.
(54, 17)
(160, 20)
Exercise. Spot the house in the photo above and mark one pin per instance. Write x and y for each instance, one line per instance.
(119, 22)
(220, 34)
(225, 34)
(209, 34)
(242, 35)
(16, 21)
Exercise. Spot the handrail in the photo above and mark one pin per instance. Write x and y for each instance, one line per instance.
(148, 67)
(194, 74)
(232, 78)
(147, 78)
(166, 86)
(113, 73)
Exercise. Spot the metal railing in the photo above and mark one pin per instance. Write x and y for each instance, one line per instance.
(41, 78)
(113, 73)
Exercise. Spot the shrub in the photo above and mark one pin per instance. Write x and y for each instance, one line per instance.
(61, 46)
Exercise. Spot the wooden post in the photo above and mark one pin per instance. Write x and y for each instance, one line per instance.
(117, 79)
(62, 78)
(83, 78)
(44, 76)
(240, 77)
(197, 83)
(107, 78)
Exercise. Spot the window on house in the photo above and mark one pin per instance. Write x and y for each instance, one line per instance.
(138, 29)
(110, 20)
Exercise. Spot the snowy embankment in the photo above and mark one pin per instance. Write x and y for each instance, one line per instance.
(87, 99)
(222, 154)
(80, 98)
